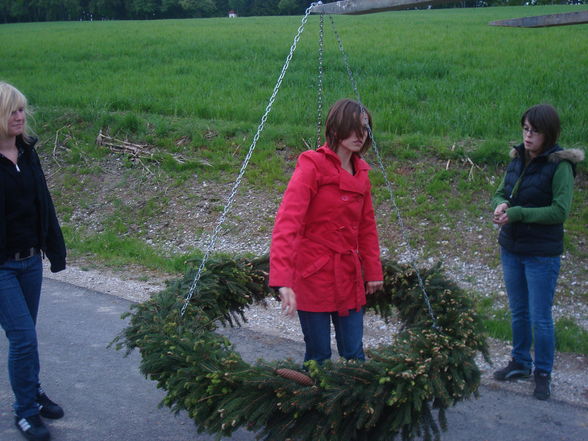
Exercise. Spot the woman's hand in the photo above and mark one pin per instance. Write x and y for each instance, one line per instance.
(372, 287)
(288, 298)
(500, 216)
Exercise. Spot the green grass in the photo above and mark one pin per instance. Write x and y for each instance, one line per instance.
(119, 251)
(569, 336)
(440, 84)
(442, 73)
(157, 82)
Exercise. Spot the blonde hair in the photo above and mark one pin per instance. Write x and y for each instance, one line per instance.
(11, 99)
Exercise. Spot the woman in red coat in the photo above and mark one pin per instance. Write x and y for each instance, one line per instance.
(325, 256)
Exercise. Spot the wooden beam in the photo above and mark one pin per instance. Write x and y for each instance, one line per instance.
(541, 21)
(356, 7)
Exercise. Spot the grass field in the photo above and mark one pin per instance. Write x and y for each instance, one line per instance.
(442, 85)
(439, 73)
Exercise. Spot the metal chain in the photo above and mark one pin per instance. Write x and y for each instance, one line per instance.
(195, 284)
(345, 59)
(403, 228)
(320, 80)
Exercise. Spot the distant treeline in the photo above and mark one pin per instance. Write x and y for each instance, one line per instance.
(60, 10)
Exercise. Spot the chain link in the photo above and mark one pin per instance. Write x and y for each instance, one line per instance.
(403, 230)
(195, 284)
(320, 95)
(345, 59)
(389, 187)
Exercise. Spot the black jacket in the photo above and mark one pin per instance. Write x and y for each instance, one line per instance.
(51, 238)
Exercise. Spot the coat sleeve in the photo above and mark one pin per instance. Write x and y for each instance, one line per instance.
(369, 248)
(289, 221)
(3, 251)
(54, 242)
(500, 196)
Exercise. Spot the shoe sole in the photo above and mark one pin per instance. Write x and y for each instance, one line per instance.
(31, 437)
(513, 375)
(51, 416)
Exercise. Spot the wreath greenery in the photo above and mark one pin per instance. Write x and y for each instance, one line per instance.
(392, 393)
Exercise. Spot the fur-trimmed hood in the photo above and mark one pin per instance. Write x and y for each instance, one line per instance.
(573, 155)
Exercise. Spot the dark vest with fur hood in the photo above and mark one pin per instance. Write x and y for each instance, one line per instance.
(534, 191)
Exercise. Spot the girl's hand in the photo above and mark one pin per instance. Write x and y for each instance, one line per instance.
(500, 216)
(288, 298)
(372, 287)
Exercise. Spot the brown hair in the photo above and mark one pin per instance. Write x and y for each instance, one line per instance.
(544, 119)
(343, 120)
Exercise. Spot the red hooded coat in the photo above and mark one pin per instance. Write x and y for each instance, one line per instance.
(325, 243)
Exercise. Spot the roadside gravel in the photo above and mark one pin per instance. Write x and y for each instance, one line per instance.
(570, 375)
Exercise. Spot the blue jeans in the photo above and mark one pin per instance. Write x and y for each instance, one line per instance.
(316, 327)
(20, 290)
(530, 283)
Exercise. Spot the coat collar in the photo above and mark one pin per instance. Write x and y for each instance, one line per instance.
(519, 151)
(358, 162)
(348, 182)
(25, 144)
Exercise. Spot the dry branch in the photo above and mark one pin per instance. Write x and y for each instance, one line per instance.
(136, 151)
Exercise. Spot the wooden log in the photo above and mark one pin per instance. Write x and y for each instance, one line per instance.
(541, 21)
(357, 7)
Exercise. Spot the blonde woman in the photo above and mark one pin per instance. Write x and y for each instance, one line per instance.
(28, 230)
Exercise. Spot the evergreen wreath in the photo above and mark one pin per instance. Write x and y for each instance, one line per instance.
(393, 393)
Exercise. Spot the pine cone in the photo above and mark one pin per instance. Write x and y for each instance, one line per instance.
(296, 376)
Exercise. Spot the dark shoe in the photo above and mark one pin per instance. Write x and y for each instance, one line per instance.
(47, 408)
(32, 428)
(513, 371)
(542, 385)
